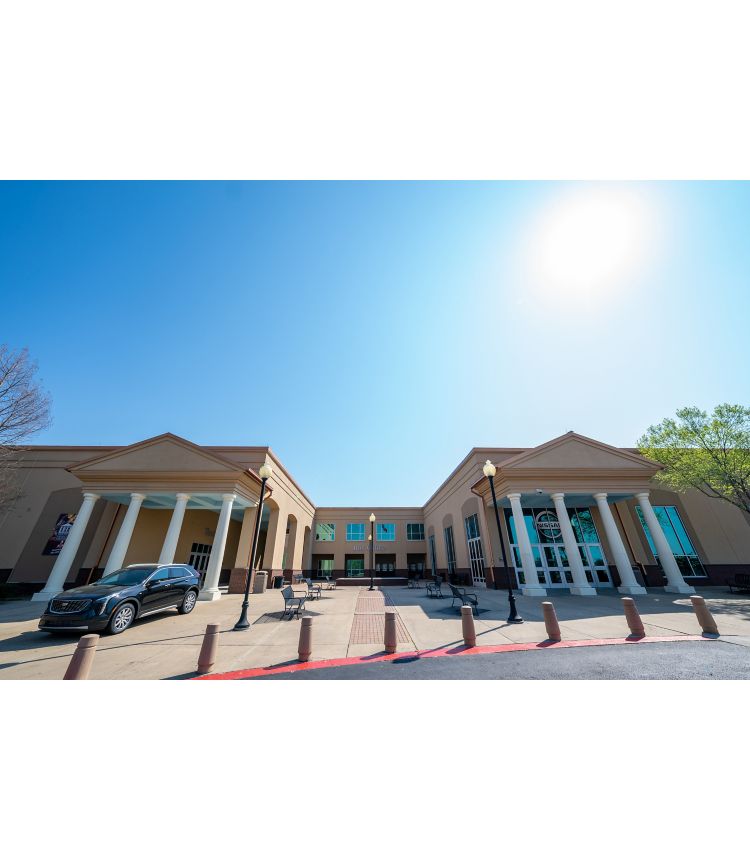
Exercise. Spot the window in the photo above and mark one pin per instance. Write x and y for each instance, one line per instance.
(325, 566)
(677, 538)
(355, 531)
(450, 549)
(433, 559)
(325, 531)
(476, 553)
(414, 531)
(160, 575)
(355, 567)
(386, 531)
(199, 555)
(178, 572)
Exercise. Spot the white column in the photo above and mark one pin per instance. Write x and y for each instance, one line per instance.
(675, 583)
(173, 532)
(210, 590)
(532, 588)
(122, 542)
(580, 585)
(628, 582)
(64, 560)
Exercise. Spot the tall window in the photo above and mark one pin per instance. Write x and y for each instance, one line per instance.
(325, 531)
(415, 531)
(355, 567)
(386, 531)
(476, 552)
(677, 538)
(433, 559)
(450, 549)
(325, 566)
(355, 531)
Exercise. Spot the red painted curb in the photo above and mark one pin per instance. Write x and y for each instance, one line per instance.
(380, 657)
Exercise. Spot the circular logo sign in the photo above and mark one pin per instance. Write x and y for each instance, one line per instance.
(548, 525)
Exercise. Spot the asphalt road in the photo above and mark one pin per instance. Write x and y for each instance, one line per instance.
(648, 661)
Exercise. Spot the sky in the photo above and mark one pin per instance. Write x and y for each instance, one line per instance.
(372, 333)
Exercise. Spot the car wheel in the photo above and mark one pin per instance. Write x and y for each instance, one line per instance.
(122, 618)
(188, 604)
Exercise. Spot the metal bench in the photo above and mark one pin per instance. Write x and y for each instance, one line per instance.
(330, 582)
(467, 598)
(741, 582)
(314, 589)
(293, 603)
(434, 588)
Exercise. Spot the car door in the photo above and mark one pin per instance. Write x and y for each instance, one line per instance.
(157, 593)
(180, 579)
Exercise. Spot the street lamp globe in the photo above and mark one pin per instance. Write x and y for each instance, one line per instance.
(372, 518)
(265, 471)
(489, 469)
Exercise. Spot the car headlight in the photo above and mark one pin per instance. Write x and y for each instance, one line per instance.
(100, 605)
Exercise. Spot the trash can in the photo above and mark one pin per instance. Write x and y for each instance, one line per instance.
(259, 586)
(278, 581)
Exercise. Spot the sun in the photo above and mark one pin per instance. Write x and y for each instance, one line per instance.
(589, 240)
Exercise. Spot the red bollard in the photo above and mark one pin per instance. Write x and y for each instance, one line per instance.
(550, 622)
(390, 633)
(304, 649)
(633, 617)
(83, 657)
(467, 626)
(210, 646)
(703, 614)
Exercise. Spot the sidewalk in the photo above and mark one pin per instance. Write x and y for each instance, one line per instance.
(347, 623)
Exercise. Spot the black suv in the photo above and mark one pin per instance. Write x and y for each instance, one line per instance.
(116, 600)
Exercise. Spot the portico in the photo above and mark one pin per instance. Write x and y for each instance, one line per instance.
(163, 474)
(557, 502)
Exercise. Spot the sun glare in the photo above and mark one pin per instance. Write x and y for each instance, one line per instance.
(589, 241)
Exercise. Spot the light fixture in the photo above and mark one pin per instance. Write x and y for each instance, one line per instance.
(372, 552)
(265, 471)
(372, 518)
(489, 469)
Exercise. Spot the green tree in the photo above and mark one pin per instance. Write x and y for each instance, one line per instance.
(709, 453)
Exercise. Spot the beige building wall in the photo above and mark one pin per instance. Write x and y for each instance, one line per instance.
(400, 548)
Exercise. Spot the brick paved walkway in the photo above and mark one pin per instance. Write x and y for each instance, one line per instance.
(368, 627)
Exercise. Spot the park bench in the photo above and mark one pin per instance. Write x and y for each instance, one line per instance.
(433, 588)
(293, 602)
(741, 582)
(467, 598)
(330, 582)
(314, 589)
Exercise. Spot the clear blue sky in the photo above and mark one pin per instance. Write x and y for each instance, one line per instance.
(372, 333)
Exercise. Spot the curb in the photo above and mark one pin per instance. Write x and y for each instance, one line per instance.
(458, 650)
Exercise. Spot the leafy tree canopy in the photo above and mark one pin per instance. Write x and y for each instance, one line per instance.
(709, 453)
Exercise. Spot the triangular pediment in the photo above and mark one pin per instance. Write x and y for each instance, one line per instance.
(166, 453)
(573, 451)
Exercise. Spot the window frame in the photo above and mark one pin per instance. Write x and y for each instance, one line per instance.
(378, 536)
(419, 526)
(331, 526)
(355, 539)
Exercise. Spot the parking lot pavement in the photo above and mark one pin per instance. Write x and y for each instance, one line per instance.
(167, 645)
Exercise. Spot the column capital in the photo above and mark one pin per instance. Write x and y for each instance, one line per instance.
(137, 497)
(229, 497)
(90, 497)
(600, 496)
(642, 496)
(558, 495)
(514, 496)
(185, 496)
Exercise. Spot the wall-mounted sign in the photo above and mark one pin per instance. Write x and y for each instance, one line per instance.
(548, 525)
(62, 528)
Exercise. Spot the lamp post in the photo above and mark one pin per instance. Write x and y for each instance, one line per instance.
(489, 472)
(372, 551)
(265, 473)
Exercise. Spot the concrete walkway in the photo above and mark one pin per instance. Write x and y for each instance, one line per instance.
(347, 623)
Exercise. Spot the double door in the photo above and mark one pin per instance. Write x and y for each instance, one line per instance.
(553, 566)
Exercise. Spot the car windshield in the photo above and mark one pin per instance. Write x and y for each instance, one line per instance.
(131, 576)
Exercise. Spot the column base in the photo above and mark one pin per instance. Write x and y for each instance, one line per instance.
(533, 591)
(45, 596)
(679, 589)
(632, 589)
(583, 590)
(209, 594)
